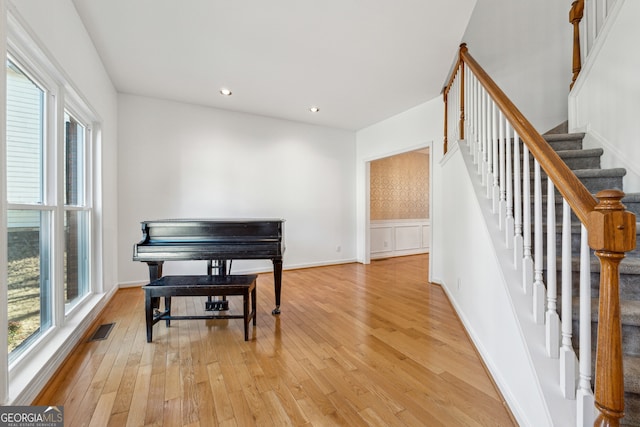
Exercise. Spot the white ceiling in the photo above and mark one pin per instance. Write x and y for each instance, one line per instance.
(359, 61)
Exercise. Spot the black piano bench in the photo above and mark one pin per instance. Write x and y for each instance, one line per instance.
(183, 286)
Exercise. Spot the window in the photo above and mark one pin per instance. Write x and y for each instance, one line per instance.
(29, 219)
(77, 213)
(48, 207)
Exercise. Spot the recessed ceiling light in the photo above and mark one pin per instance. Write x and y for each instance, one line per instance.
(226, 92)
(314, 109)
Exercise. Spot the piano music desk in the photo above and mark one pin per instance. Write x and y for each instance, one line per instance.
(182, 286)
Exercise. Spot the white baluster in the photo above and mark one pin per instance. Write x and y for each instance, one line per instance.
(454, 105)
(585, 401)
(527, 260)
(490, 165)
(502, 204)
(487, 156)
(591, 13)
(538, 284)
(471, 112)
(474, 116)
(567, 355)
(495, 194)
(452, 116)
(509, 194)
(481, 160)
(552, 320)
(518, 243)
(459, 125)
(476, 109)
(468, 99)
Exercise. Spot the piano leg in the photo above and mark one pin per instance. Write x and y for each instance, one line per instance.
(277, 283)
(155, 272)
(148, 311)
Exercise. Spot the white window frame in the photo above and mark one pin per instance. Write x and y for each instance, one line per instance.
(27, 373)
(79, 113)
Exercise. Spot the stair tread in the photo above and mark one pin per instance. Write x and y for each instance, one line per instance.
(553, 137)
(585, 173)
(585, 152)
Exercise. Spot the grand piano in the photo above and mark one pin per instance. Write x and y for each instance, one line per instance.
(214, 240)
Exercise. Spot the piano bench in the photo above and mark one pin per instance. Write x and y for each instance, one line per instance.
(183, 286)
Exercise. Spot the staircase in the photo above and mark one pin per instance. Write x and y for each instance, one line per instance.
(586, 165)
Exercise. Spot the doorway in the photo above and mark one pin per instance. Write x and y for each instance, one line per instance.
(398, 204)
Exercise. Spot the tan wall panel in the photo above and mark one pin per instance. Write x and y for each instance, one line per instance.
(399, 186)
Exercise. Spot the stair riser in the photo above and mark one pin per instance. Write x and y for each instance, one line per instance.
(572, 144)
(631, 409)
(633, 207)
(593, 184)
(629, 289)
(577, 163)
(576, 242)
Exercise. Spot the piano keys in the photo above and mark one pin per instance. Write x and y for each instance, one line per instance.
(218, 240)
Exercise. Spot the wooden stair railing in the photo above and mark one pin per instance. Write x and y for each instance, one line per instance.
(611, 231)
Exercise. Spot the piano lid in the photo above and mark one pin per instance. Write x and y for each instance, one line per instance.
(210, 239)
(195, 221)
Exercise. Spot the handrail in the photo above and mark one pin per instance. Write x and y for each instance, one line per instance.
(567, 183)
(611, 231)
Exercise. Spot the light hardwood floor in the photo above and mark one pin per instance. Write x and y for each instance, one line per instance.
(355, 345)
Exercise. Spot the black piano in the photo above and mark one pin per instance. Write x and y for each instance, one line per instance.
(214, 240)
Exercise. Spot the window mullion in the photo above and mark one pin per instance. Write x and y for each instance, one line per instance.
(57, 193)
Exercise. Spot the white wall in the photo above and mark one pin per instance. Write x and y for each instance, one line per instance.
(605, 99)
(525, 46)
(479, 286)
(415, 128)
(183, 161)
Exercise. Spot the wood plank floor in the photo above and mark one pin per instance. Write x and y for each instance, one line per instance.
(355, 345)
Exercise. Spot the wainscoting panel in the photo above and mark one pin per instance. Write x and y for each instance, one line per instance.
(391, 238)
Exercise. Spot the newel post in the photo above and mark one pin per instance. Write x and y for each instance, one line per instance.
(575, 16)
(612, 232)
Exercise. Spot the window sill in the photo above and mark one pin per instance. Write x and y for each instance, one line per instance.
(31, 372)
